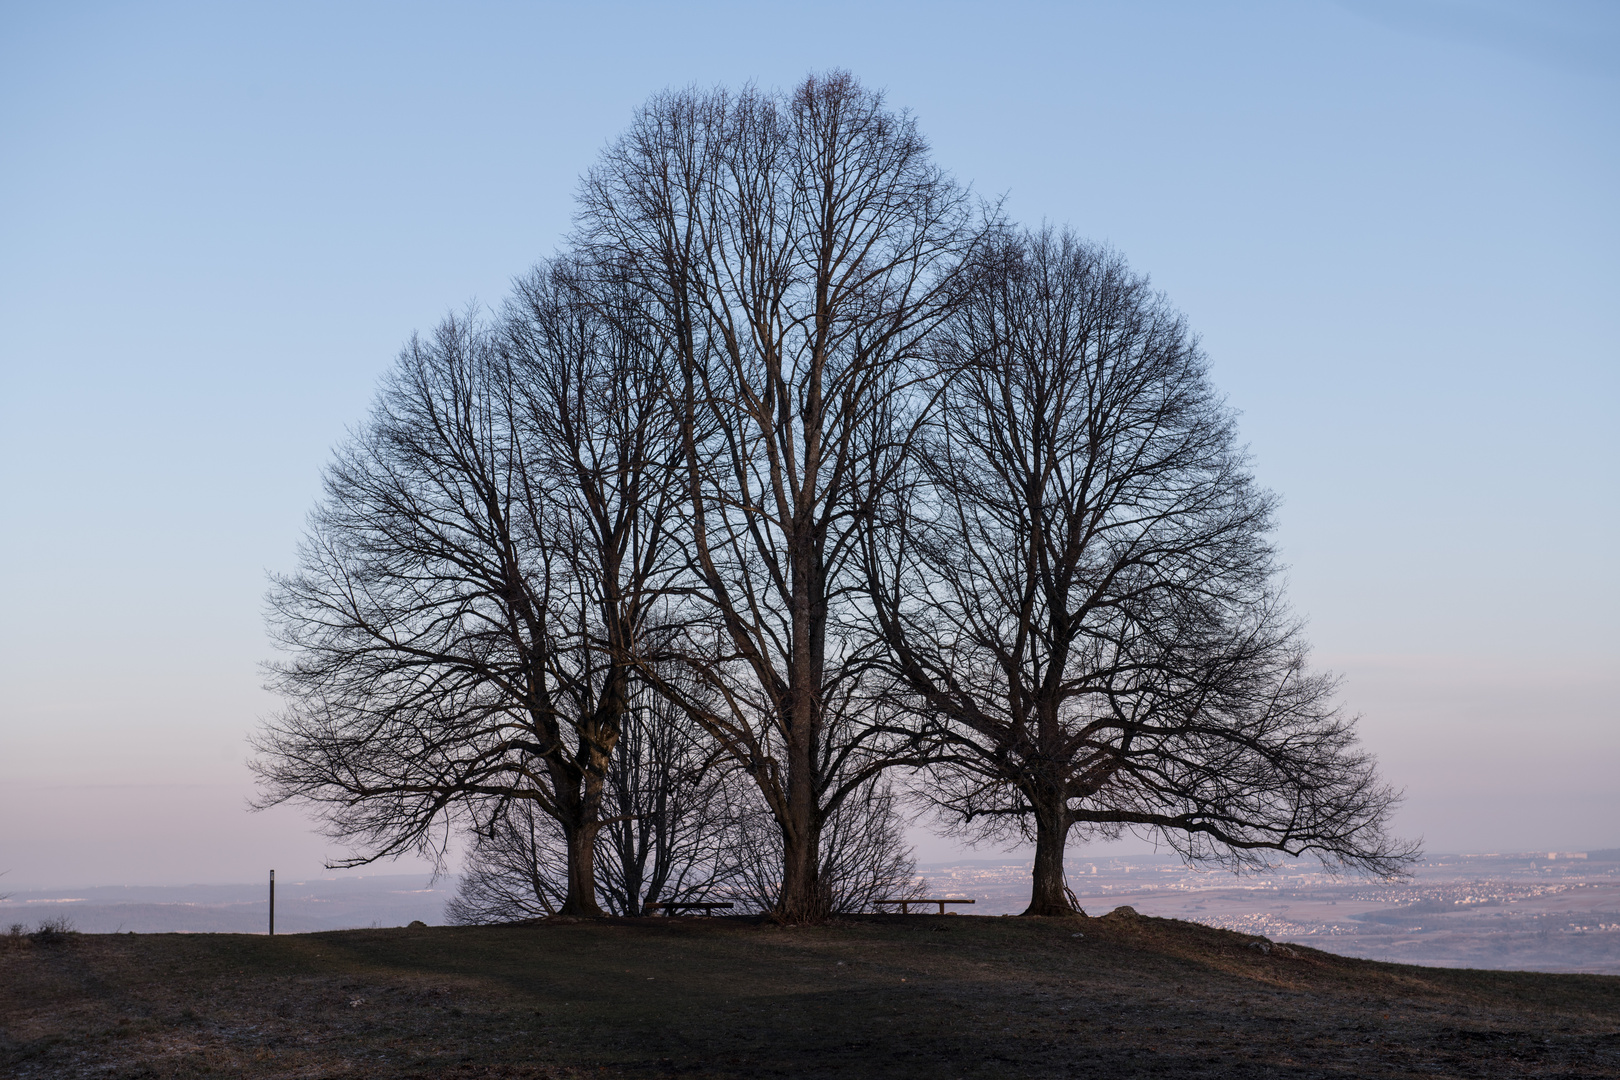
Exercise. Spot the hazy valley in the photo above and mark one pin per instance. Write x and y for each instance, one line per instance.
(1518, 911)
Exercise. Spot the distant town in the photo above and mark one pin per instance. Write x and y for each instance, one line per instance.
(1541, 911)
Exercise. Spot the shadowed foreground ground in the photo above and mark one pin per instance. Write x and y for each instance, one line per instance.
(925, 996)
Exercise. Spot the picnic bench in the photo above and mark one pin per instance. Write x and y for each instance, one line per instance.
(905, 905)
(666, 906)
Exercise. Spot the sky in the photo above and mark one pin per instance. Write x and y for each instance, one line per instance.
(1394, 224)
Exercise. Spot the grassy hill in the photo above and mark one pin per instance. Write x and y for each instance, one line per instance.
(881, 996)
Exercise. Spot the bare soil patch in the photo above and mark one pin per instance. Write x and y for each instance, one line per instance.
(889, 996)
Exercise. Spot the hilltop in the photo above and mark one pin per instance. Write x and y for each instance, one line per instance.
(889, 996)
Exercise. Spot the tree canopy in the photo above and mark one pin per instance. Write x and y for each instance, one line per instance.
(801, 475)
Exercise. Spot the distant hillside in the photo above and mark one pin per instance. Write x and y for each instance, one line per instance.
(318, 904)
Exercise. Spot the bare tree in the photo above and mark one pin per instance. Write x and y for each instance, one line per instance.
(864, 855)
(800, 445)
(460, 635)
(516, 869)
(671, 832)
(1078, 589)
(799, 248)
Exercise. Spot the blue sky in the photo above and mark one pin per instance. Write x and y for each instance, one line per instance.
(1394, 224)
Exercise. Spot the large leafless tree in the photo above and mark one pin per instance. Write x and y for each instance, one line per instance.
(1077, 588)
(460, 634)
(799, 247)
(801, 442)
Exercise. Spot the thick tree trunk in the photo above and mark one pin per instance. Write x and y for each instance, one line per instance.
(1049, 895)
(580, 821)
(801, 900)
(584, 820)
(581, 899)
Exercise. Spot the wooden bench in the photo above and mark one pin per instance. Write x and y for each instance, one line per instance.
(905, 905)
(666, 906)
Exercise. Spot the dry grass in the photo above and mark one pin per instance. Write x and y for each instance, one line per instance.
(956, 996)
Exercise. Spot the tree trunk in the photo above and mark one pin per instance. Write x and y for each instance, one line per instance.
(581, 899)
(581, 821)
(633, 897)
(802, 900)
(1050, 896)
